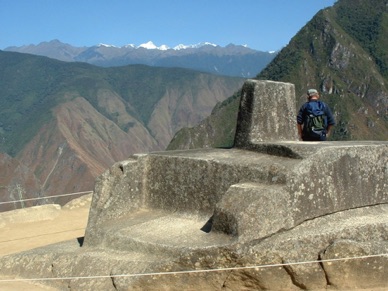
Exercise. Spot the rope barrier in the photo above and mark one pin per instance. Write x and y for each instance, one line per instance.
(40, 235)
(195, 271)
(46, 197)
(175, 272)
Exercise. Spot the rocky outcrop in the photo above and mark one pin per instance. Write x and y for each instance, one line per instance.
(265, 215)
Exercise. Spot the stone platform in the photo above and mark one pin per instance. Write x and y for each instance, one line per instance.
(237, 187)
(270, 200)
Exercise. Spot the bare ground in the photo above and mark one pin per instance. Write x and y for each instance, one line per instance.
(38, 226)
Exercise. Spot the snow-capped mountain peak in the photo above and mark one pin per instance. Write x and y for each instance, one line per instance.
(180, 47)
(148, 45)
(198, 45)
(163, 47)
(105, 45)
(151, 46)
(231, 60)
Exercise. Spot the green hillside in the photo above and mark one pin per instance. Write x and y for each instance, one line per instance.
(344, 56)
(342, 52)
(32, 86)
(28, 85)
(217, 130)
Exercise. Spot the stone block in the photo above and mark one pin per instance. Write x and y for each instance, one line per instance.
(267, 113)
(253, 211)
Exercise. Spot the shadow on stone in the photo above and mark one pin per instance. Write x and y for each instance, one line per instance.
(208, 225)
(80, 241)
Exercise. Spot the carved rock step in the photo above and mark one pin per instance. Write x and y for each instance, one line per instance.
(160, 232)
(253, 211)
(189, 182)
(194, 181)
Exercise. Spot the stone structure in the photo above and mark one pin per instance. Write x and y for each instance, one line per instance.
(267, 113)
(271, 200)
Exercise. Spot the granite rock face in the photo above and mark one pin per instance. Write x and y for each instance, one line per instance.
(271, 213)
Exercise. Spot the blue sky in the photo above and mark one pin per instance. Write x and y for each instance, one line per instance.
(261, 24)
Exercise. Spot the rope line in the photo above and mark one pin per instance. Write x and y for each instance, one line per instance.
(196, 271)
(40, 235)
(168, 273)
(46, 197)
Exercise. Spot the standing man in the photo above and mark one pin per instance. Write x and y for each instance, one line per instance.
(314, 120)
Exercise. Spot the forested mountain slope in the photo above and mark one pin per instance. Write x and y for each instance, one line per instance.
(62, 124)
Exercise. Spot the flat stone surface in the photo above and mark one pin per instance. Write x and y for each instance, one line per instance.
(291, 149)
(159, 232)
(225, 156)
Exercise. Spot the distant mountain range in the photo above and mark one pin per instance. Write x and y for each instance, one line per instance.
(232, 60)
(342, 52)
(63, 123)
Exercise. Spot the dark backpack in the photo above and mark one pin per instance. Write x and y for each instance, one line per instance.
(315, 123)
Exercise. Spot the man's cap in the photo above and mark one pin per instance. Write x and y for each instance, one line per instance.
(312, 92)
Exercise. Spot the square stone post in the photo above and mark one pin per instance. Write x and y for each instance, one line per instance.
(267, 113)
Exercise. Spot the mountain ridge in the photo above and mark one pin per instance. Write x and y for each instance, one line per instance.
(148, 45)
(231, 60)
(334, 58)
(62, 124)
